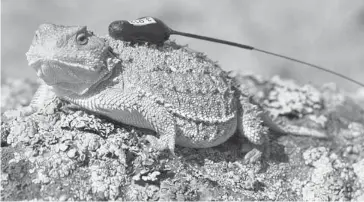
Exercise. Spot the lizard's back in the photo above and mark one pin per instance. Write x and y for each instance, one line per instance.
(196, 90)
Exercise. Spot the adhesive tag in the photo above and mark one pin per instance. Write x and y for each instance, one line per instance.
(142, 21)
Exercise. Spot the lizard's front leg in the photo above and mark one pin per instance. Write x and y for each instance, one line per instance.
(140, 110)
(250, 125)
(163, 123)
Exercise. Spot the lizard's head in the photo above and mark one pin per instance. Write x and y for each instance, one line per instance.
(69, 58)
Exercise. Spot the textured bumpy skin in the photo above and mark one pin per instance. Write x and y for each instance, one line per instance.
(185, 97)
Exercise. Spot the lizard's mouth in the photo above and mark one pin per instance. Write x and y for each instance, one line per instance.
(72, 77)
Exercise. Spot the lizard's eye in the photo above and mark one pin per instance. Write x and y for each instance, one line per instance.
(82, 38)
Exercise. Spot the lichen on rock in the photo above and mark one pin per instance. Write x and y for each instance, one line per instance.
(286, 97)
(65, 154)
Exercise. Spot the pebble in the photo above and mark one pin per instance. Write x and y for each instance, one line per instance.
(63, 147)
(72, 153)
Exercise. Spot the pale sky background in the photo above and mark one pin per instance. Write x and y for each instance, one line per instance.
(327, 32)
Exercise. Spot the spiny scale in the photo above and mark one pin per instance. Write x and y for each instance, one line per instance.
(153, 30)
(186, 82)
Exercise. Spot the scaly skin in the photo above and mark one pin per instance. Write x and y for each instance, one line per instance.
(182, 95)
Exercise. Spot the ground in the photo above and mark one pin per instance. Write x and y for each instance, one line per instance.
(65, 154)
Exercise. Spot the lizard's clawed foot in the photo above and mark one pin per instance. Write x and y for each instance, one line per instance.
(258, 153)
(253, 156)
(161, 143)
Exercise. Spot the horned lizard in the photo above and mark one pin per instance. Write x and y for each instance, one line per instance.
(181, 94)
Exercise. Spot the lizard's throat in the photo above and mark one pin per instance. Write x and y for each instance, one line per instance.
(76, 81)
(67, 89)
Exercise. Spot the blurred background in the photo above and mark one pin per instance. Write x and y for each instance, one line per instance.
(327, 32)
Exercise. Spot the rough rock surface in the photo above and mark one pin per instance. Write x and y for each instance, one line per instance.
(65, 154)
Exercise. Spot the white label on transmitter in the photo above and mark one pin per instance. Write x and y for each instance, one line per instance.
(142, 21)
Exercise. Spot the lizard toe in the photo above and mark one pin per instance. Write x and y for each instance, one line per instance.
(253, 156)
(258, 153)
(161, 144)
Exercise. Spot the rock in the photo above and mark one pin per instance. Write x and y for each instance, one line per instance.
(81, 156)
